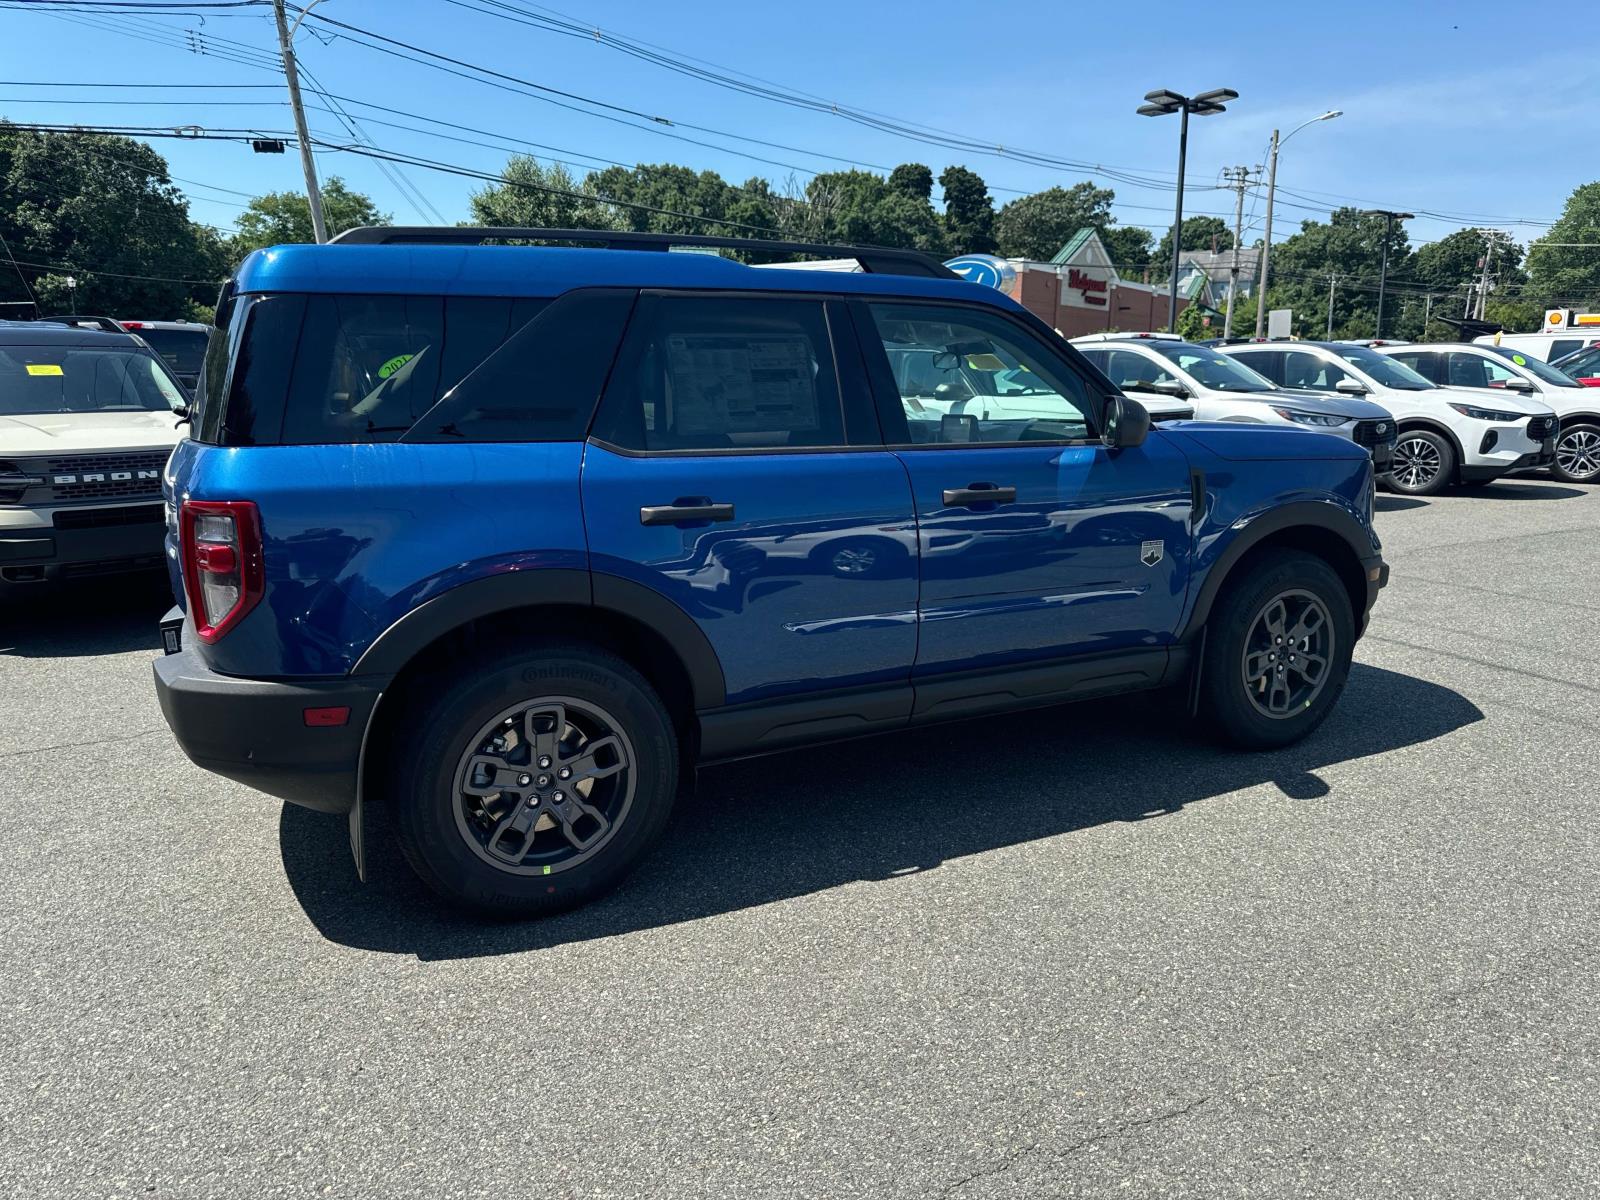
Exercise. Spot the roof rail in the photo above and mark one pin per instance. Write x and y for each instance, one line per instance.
(80, 321)
(878, 260)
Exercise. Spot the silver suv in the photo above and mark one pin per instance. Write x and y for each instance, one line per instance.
(88, 419)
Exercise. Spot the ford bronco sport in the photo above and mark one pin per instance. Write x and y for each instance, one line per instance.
(502, 537)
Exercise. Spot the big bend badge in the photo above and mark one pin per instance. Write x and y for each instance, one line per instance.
(1150, 553)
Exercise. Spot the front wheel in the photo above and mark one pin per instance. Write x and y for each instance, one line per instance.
(1424, 463)
(1578, 454)
(1277, 652)
(532, 781)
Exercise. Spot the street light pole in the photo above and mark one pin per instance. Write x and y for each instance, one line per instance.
(1389, 218)
(319, 227)
(1161, 102)
(1272, 189)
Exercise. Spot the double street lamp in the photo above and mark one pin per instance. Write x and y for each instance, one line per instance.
(1160, 103)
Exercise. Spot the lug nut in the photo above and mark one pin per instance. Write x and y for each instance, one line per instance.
(558, 797)
(524, 780)
(565, 773)
(544, 761)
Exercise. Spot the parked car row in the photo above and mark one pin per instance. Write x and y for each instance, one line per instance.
(1457, 413)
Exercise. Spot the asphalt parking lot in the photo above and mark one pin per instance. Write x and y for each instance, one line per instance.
(1076, 953)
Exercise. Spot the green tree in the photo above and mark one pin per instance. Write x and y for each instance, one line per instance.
(1198, 233)
(102, 211)
(913, 179)
(538, 197)
(1349, 245)
(283, 218)
(860, 207)
(1570, 274)
(1449, 267)
(1128, 246)
(1192, 325)
(1037, 225)
(969, 217)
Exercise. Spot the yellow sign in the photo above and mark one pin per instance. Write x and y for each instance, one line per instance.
(43, 369)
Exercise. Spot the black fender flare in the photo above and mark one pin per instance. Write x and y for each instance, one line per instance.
(601, 593)
(1318, 514)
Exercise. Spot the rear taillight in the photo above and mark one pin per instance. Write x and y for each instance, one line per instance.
(222, 571)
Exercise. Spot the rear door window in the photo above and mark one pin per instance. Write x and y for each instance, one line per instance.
(1310, 371)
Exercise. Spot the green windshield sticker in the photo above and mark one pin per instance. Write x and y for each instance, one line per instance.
(393, 365)
(1519, 360)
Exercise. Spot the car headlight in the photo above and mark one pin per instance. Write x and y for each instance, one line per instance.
(1486, 414)
(1307, 418)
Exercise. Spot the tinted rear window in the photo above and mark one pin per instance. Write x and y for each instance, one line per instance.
(339, 369)
(184, 349)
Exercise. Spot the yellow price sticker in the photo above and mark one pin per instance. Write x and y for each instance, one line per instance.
(44, 369)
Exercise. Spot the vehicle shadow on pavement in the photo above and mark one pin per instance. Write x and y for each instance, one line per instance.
(1506, 490)
(111, 614)
(1385, 504)
(872, 810)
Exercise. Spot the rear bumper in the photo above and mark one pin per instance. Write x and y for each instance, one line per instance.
(254, 731)
(36, 553)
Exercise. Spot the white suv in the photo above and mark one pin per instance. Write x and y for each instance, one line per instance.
(1446, 436)
(1153, 367)
(87, 421)
(1493, 371)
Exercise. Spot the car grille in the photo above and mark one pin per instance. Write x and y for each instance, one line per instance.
(101, 518)
(1373, 433)
(132, 476)
(1540, 428)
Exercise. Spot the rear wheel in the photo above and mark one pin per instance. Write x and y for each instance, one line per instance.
(532, 783)
(1424, 463)
(1578, 454)
(1278, 649)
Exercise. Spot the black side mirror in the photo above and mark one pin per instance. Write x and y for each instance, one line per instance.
(1127, 423)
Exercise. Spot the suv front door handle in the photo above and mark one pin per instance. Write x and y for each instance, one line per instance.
(680, 513)
(978, 493)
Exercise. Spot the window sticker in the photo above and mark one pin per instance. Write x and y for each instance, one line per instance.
(44, 369)
(741, 385)
(1519, 360)
(393, 365)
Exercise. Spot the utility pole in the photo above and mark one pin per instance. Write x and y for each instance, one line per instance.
(1427, 314)
(1492, 238)
(313, 193)
(1266, 242)
(1239, 179)
(1332, 281)
(1389, 218)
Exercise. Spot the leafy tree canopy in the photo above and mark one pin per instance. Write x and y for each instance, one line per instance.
(1038, 225)
(103, 212)
(282, 218)
(1570, 274)
(1198, 233)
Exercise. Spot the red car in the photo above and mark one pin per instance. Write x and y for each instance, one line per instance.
(1583, 365)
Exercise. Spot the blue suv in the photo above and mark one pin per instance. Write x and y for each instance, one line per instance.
(507, 538)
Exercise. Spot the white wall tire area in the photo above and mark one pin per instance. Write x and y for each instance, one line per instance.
(1578, 453)
(1424, 463)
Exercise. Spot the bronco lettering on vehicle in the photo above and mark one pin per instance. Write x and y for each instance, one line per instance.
(103, 476)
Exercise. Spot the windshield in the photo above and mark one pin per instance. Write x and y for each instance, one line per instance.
(1213, 370)
(57, 379)
(1385, 370)
(1536, 367)
(184, 349)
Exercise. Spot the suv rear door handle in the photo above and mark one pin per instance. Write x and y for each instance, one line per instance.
(678, 514)
(978, 493)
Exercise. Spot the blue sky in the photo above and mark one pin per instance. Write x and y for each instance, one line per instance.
(1439, 115)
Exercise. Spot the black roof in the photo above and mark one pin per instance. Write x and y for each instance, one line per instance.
(44, 333)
